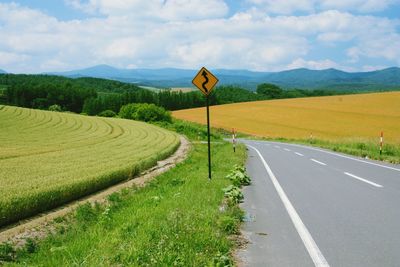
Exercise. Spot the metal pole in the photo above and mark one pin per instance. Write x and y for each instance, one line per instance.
(208, 131)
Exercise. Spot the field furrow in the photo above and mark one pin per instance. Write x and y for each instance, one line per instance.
(49, 158)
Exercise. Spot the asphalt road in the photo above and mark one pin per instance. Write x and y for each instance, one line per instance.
(312, 207)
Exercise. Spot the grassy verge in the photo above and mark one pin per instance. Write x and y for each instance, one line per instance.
(360, 148)
(177, 220)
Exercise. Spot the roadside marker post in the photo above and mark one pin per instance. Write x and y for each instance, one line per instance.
(234, 139)
(205, 81)
(381, 144)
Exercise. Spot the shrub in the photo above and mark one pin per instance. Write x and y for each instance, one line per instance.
(7, 252)
(238, 176)
(107, 113)
(144, 112)
(55, 107)
(127, 111)
(151, 113)
(233, 195)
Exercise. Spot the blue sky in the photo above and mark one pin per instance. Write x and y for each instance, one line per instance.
(265, 35)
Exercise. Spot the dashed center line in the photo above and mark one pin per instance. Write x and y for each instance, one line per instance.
(277, 146)
(286, 149)
(319, 162)
(363, 180)
(299, 154)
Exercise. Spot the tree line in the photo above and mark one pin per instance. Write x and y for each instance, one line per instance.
(170, 100)
(93, 96)
(272, 91)
(166, 99)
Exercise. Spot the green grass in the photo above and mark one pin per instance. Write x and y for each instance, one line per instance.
(194, 131)
(355, 147)
(365, 149)
(50, 158)
(174, 221)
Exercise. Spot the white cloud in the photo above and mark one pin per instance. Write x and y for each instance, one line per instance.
(330, 37)
(368, 6)
(284, 7)
(7, 58)
(161, 9)
(311, 64)
(35, 42)
(383, 47)
(354, 54)
(291, 6)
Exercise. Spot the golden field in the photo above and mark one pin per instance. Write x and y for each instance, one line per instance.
(335, 118)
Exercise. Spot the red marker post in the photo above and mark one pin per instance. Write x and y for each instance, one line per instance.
(381, 144)
(234, 140)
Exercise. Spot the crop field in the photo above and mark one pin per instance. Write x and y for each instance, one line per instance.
(50, 158)
(350, 118)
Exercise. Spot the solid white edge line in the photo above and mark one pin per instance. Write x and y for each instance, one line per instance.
(308, 241)
(346, 157)
(299, 154)
(363, 180)
(319, 162)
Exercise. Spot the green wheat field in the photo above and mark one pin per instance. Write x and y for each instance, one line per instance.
(50, 158)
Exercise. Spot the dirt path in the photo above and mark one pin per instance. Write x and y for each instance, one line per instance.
(38, 226)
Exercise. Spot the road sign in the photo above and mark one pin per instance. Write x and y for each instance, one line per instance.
(205, 81)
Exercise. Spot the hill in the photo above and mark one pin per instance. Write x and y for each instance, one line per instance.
(50, 158)
(97, 84)
(298, 78)
(336, 79)
(338, 118)
(2, 71)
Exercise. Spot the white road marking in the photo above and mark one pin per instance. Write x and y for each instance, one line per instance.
(277, 146)
(267, 144)
(363, 180)
(346, 157)
(308, 241)
(299, 154)
(286, 149)
(319, 162)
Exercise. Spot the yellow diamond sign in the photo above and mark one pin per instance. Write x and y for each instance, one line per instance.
(205, 81)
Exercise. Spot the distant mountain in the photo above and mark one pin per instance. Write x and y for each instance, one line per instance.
(297, 78)
(2, 71)
(336, 79)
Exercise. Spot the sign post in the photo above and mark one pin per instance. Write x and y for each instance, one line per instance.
(205, 82)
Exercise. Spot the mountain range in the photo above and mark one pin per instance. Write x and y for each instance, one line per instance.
(297, 78)
(2, 71)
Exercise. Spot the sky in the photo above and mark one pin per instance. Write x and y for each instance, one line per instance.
(262, 35)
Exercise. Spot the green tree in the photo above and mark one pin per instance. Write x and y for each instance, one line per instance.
(151, 113)
(55, 107)
(144, 112)
(128, 111)
(107, 113)
(270, 90)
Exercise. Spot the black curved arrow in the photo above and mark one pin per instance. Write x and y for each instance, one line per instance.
(204, 74)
